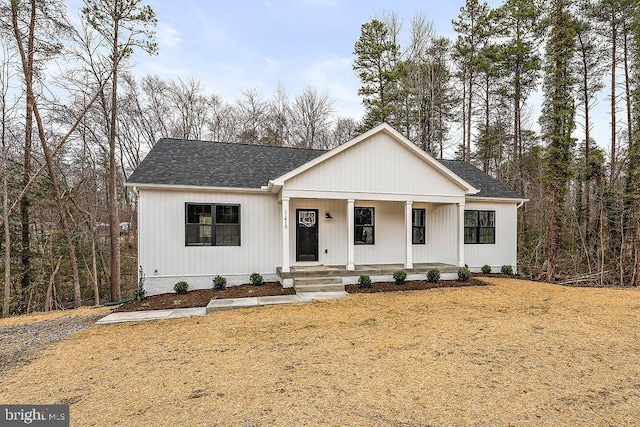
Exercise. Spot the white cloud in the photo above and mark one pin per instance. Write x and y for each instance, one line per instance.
(167, 36)
(272, 65)
(335, 75)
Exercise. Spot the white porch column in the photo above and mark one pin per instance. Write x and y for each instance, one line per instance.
(285, 235)
(460, 234)
(350, 235)
(408, 220)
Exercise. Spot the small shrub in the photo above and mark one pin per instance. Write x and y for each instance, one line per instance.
(433, 275)
(506, 269)
(140, 294)
(526, 271)
(464, 274)
(256, 279)
(181, 287)
(219, 283)
(486, 269)
(399, 276)
(364, 281)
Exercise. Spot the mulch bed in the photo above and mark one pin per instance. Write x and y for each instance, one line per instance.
(201, 297)
(413, 285)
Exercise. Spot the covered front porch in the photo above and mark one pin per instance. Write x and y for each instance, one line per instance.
(410, 235)
(376, 200)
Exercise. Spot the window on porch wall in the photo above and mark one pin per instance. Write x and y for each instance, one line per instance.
(364, 226)
(419, 216)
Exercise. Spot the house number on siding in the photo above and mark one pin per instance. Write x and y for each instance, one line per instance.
(286, 217)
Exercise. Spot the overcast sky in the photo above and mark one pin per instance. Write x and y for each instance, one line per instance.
(233, 46)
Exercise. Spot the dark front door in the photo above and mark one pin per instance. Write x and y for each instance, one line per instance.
(306, 235)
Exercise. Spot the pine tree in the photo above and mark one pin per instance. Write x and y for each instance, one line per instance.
(473, 29)
(377, 65)
(518, 22)
(589, 75)
(558, 122)
(633, 174)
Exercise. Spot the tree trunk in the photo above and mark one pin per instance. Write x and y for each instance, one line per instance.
(6, 301)
(587, 151)
(28, 135)
(114, 223)
(464, 117)
(636, 271)
(73, 260)
(48, 305)
(469, 109)
(614, 37)
(94, 270)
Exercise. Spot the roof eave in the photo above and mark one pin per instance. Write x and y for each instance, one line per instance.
(171, 187)
(497, 199)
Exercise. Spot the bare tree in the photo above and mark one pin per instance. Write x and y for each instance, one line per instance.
(279, 123)
(223, 120)
(252, 116)
(311, 113)
(124, 25)
(190, 106)
(6, 112)
(344, 129)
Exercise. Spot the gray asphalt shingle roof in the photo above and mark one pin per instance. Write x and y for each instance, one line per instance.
(488, 185)
(217, 164)
(221, 164)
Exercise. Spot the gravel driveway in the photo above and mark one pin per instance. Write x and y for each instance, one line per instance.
(20, 343)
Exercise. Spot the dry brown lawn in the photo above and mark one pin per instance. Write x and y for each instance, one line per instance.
(514, 353)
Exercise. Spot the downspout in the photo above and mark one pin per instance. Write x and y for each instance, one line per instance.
(518, 206)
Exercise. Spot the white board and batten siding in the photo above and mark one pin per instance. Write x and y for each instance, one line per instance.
(504, 250)
(441, 244)
(376, 166)
(165, 259)
(389, 248)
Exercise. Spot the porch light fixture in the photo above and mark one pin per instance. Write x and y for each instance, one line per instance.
(327, 215)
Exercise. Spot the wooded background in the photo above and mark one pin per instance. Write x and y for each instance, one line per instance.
(75, 122)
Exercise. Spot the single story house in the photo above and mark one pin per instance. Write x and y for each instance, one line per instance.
(369, 206)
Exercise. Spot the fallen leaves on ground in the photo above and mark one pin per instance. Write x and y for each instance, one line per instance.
(513, 353)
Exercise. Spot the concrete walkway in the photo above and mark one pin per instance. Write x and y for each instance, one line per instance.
(136, 316)
(216, 305)
(231, 303)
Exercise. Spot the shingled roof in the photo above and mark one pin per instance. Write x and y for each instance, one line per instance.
(219, 164)
(488, 185)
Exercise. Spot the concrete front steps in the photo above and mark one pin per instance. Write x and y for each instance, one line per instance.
(318, 284)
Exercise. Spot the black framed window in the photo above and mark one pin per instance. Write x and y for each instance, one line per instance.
(212, 225)
(479, 227)
(419, 217)
(364, 220)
